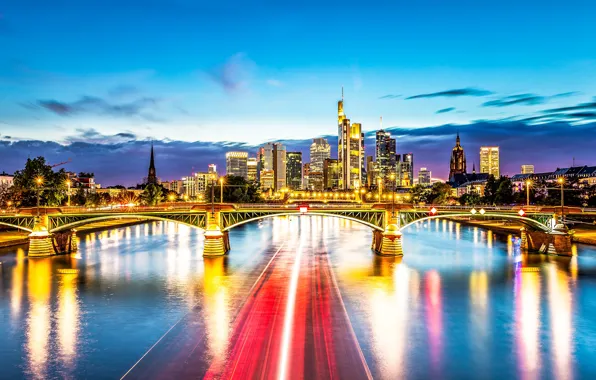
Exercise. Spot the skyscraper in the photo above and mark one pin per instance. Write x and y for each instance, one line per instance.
(424, 177)
(274, 160)
(350, 150)
(236, 164)
(371, 171)
(320, 150)
(152, 175)
(306, 176)
(489, 160)
(405, 165)
(527, 169)
(458, 159)
(330, 174)
(294, 170)
(385, 155)
(251, 165)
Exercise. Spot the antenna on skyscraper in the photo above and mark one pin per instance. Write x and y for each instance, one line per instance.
(342, 93)
(381, 122)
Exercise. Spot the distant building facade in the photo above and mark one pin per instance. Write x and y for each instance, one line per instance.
(331, 174)
(385, 155)
(405, 166)
(527, 169)
(424, 177)
(294, 170)
(237, 164)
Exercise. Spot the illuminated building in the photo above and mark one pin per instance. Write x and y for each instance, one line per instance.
(237, 164)
(6, 180)
(196, 184)
(424, 177)
(251, 165)
(267, 179)
(405, 165)
(527, 169)
(294, 170)
(350, 152)
(385, 155)
(274, 159)
(458, 160)
(330, 174)
(320, 150)
(306, 176)
(151, 176)
(489, 160)
(212, 169)
(371, 172)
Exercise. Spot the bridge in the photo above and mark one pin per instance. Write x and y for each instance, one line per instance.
(54, 230)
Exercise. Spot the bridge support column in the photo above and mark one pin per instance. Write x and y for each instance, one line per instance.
(217, 243)
(557, 242)
(40, 240)
(388, 242)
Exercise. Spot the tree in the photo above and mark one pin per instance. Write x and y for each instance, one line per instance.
(236, 190)
(490, 190)
(126, 197)
(470, 199)
(52, 189)
(5, 194)
(440, 193)
(152, 195)
(504, 193)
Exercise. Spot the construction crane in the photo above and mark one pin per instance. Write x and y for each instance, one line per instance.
(61, 163)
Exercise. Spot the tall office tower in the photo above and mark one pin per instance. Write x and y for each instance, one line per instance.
(237, 164)
(424, 177)
(189, 186)
(330, 174)
(350, 150)
(489, 160)
(527, 169)
(274, 159)
(458, 160)
(306, 176)
(251, 166)
(202, 180)
(371, 171)
(294, 170)
(320, 150)
(260, 162)
(405, 165)
(385, 155)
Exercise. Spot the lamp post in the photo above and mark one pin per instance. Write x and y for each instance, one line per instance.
(528, 184)
(380, 183)
(212, 194)
(68, 194)
(221, 182)
(38, 182)
(561, 180)
(392, 177)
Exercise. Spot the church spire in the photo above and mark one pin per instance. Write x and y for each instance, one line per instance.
(152, 177)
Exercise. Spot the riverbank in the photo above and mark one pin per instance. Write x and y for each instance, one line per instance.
(582, 235)
(14, 238)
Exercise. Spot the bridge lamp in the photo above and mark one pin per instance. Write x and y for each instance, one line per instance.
(521, 212)
(39, 180)
(303, 209)
(473, 211)
(433, 211)
(482, 211)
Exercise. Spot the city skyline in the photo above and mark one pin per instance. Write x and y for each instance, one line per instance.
(102, 104)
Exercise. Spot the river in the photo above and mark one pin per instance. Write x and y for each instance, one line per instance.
(297, 297)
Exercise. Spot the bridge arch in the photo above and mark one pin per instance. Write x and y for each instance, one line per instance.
(82, 222)
(16, 226)
(310, 213)
(524, 220)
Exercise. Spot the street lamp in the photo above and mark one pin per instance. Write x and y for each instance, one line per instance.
(380, 182)
(212, 176)
(392, 177)
(221, 182)
(561, 180)
(38, 182)
(528, 184)
(68, 194)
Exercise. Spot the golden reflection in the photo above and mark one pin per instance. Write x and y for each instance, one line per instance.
(509, 245)
(479, 301)
(216, 305)
(39, 275)
(489, 238)
(561, 321)
(68, 317)
(434, 317)
(16, 295)
(527, 315)
(457, 231)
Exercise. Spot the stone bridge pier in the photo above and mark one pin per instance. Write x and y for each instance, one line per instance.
(557, 242)
(217, 242)
(388, 242)
(44, 243)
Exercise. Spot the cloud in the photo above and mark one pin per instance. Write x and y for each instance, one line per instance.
(445, 110)
(453, 93)
(123, 90)
(578, 107)
(91, 135)
(98, 106)
(390, 96)
(274, 82)
(525, 99)
(233, 74)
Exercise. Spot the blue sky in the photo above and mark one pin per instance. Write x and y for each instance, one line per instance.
(126, 72)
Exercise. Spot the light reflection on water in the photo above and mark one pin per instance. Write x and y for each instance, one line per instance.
(455, 306)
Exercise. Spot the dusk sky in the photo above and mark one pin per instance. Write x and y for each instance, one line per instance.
(96, 81)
